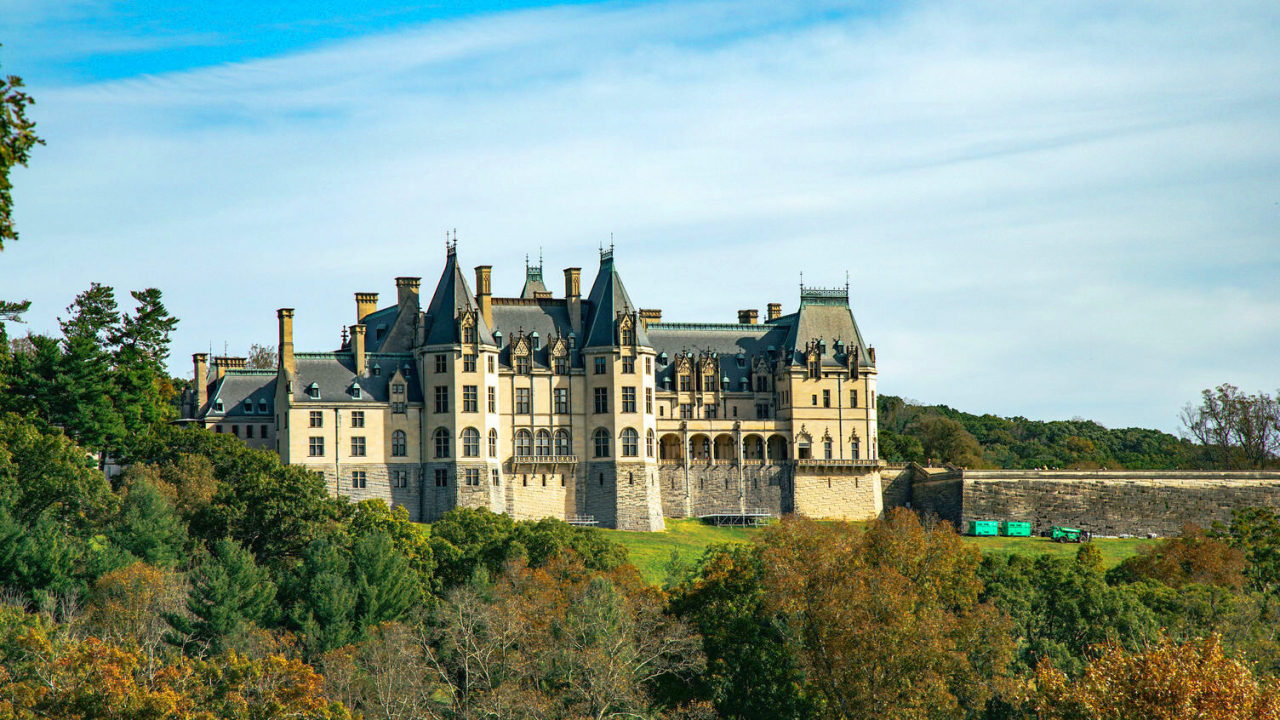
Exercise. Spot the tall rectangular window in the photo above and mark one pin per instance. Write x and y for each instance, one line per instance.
(442, 398)
(264, 431)
(248, 432)
(648, 366)
(442, 363)
(628, 399)
(648, 401)
(561, 366)
(600, 366)
(709, 411)
(628, 365)
(357, 418)
(473, 476)
(468, 363)
(762, 411)
(442, 477)
(317, 418)
(853, 398)
(357, 446)
(686, 411)
(493, 399)
(400, 478)
(359, 479)
(524, 403)
(523, 365)
(317, 447)
(686, 384)
(826, 398)
(470, 398)
(490, 363)
(398, 388)
(562, 401)
(762, 383)
(602, 400)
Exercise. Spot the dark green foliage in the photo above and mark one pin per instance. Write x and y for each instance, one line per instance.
(42, 471)
(149, 528)
(229, 593)
(39, 559)
(17, 140)
(467, 539)
(387, 588)
(1256, 533)
(1062, 608)
(1019, 443)
(324, 599)
(751, 670)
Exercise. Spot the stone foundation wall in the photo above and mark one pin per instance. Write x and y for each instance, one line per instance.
(533, 496)
(721, 488)
(1115, 502)
(379, 485)
(942, 496)
(838, 496)
(439, 499)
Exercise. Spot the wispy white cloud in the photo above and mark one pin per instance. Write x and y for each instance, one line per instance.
(1045, 210)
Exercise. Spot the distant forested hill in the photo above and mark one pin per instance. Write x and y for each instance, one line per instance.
(913, 432)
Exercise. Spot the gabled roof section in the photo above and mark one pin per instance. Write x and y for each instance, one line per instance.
(533, 284)
(824, 314)
(608, 298)
(452, 296)
(378, 326)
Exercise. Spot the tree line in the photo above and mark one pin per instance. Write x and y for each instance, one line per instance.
(1228, 430)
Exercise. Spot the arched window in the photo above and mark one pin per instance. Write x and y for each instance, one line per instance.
(442, 443)
(602, 443)
(563, 446)
(493, 443)
(524, 444)
(471, 443)
(648, 443)
(398, 444)
(630, 443)
(544, 443)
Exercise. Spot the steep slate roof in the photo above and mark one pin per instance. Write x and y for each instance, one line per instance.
(452, 294)
(608, 297)
(729, 340)
(237, 386)
(334, 374)
(825, 314)
(385, 319)
(547, 317)
(532, 280)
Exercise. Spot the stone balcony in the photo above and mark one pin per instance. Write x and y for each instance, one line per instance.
(815, 465)
(544, 460)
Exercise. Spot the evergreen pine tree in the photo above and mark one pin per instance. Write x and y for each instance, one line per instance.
(141, 345)
(84, 373)
(148, 526)
(387, 587)
(228, 592)
(325, 608)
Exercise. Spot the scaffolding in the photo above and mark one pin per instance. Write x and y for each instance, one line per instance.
(583, 520)
(750, 517)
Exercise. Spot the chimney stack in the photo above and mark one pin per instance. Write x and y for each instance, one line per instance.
(365, 304)
(650, 315)
(573, 298)
(286, 342)
(201, 360)
(407, 293)
(484, 293)
(775, 311)
(357, 347)
(748, 317)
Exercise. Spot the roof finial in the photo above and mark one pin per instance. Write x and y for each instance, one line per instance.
(801, 281)
(450, 246)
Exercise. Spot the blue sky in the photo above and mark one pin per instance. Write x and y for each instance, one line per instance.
(1046, 209)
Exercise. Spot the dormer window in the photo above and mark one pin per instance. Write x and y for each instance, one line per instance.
(628, 336)
(262, 406)
(377, 370)
(313, 391)
(537, 341)
(522, 364)
(469, 334)
(573, 340)
(356, 392)
(382, 330)
(248, 406)
(398, 388)
(497, 338)
(217, 405)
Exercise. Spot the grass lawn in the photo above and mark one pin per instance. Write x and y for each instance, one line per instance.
(650, 552)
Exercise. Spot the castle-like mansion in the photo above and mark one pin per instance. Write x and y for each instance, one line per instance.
(580, 408)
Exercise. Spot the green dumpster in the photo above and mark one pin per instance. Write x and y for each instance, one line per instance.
(984, 528)
(1009, 528)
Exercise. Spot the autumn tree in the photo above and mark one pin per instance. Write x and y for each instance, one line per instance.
(1168, 681)
(945, 440)
(1235, 430)
(1192, 557)
(887, 621)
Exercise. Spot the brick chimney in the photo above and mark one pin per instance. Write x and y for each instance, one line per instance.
(201, 361)
(407, 293)
(775, 311)
(650, 315)
(286, 342)
(365, 304)
(573, 298)
(484, 293)
(748, 317)
(357, 347)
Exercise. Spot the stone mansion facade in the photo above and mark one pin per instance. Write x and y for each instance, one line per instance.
(584, 408)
